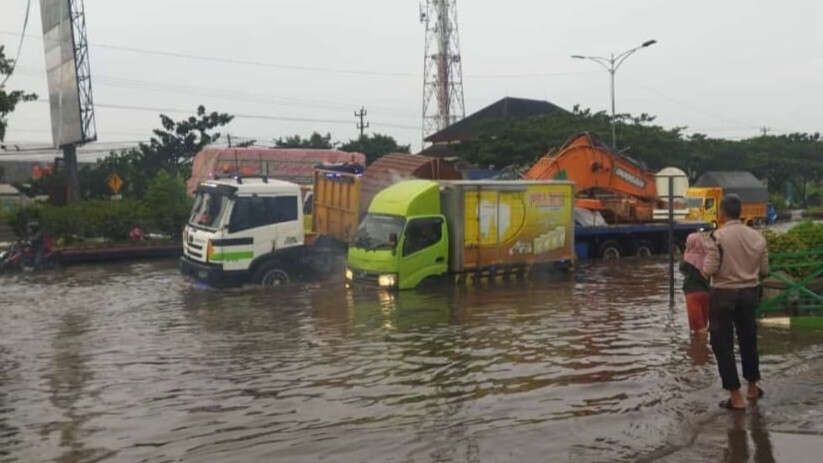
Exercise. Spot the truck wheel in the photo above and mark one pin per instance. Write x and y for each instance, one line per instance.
(610, 251)
(644, 249)
(271, 275)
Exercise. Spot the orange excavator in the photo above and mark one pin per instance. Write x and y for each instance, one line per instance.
(622, 189)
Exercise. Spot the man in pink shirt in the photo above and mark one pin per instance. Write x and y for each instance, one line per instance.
(736, 259)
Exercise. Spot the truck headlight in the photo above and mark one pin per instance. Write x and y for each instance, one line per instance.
(388, 280)
(209, 251)
(349, 274)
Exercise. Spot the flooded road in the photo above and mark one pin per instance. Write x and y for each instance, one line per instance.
(134, 363)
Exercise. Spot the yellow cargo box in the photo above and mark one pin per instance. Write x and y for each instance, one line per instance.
(508, 223)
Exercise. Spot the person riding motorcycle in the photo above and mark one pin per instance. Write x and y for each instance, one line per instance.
(38, 241)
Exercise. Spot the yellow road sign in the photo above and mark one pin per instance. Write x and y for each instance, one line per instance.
(115, 183)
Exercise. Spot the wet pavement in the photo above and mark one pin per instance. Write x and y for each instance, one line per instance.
(134, 363)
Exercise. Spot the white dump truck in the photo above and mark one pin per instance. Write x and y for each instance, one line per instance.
(249, 230)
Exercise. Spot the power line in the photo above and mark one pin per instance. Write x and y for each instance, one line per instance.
(242, 116)
(528, 75)
(217, 59)
(19, 45)
(293, 67)
(695, 108)
(219, 93)
(108, 132)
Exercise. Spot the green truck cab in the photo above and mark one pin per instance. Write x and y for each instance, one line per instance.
(418, 229)
(403, 238)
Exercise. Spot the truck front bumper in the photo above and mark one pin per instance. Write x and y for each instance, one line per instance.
(210, 274)
(362, 278)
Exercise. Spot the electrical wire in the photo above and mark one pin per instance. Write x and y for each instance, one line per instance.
(243, 116)
(217, 59)
(227, 94)
(294, 67)
(20, 45)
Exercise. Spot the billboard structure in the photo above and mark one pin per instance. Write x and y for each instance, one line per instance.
(69, 79)
(68, 71)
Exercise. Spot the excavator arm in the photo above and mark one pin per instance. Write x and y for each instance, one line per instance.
(604, 180)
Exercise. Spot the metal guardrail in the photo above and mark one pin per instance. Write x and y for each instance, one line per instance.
(795, 296)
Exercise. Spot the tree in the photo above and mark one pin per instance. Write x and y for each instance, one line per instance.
(374, 146)
(172, 150)
(315, 141)
(9, 99)
(174, 145)
(522, 141)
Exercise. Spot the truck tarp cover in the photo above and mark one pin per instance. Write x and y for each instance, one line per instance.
(743, 184)
(293, 165)
(396, 167)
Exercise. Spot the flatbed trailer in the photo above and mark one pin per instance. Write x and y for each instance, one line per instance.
(643, 240)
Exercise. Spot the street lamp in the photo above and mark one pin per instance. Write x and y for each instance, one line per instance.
(612, 64)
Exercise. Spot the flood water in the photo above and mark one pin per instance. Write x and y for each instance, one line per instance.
(134, 363)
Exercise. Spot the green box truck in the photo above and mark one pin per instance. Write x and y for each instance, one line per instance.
(420, 229)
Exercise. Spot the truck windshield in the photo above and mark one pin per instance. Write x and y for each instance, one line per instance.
(208, 210)
(379, 231)
(694, 203)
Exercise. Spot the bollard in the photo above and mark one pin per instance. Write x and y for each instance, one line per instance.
(671, 241)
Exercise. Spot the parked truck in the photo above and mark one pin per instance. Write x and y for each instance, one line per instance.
(266, 231)
(417, 229)
(704, 197)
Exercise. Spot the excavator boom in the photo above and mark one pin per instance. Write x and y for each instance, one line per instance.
(606, 180)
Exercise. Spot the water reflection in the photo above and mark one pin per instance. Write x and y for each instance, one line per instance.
(743, 428)
(9, 432)
(68, 383)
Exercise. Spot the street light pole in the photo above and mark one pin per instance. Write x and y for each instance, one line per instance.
(612, 64)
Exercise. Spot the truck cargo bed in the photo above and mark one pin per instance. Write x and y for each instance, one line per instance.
(508, 223)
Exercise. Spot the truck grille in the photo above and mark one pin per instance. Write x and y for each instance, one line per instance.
(365, 278)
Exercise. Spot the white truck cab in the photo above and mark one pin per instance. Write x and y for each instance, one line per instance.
(244, 230)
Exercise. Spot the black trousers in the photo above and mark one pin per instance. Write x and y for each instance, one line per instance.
(733, 310)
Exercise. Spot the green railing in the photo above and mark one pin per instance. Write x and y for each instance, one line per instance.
(794, 274)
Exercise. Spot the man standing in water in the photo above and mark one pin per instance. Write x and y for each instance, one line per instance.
(736, 258)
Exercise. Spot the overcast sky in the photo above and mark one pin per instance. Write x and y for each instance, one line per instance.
(725, 68)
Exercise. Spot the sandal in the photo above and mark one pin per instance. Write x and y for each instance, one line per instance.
(727, 404)
(760, 394)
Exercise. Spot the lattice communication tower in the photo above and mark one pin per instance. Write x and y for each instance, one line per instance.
(442, 67)
(83, 69)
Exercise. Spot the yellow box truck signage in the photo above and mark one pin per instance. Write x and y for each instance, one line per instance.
(519, 226)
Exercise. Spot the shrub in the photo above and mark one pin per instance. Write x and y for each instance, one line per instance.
(164, 209)
(805, 236)
(89, 219)
(166, 205)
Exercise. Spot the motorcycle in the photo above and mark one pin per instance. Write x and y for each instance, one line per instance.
(23, 256)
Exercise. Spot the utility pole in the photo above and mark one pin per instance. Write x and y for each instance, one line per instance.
(764, 131)
(361, 125)
(442, 67)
